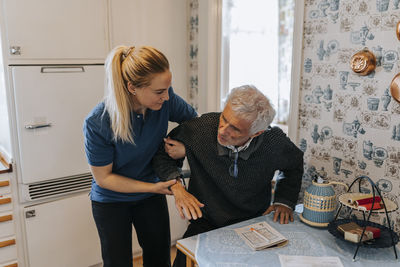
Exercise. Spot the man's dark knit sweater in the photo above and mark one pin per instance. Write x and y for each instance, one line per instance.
(228, 199)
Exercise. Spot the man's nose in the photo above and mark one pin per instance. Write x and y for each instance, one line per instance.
(223, 128)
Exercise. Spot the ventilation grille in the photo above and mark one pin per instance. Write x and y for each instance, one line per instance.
(59, 187)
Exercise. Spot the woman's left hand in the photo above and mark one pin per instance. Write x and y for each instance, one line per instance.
(175, 149)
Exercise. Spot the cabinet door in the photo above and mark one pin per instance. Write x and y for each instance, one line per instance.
(51, 103)
(56, 29)
(62, 233)
(158, 23)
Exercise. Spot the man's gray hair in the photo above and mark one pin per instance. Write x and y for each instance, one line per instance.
(250, 104)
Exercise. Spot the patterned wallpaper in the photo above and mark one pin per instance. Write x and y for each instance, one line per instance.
(349, 125)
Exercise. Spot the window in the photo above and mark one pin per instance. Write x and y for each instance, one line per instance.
(256, 48)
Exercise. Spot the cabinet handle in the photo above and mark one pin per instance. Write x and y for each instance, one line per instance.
(5, 200)
(6, 218)
(7, 243)
(12, 265)
(62, 69)
(37, 126)
(15, 50)
(30, 214)
(4, 183)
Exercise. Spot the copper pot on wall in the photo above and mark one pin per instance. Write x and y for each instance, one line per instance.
(363, 62)
(395, 87)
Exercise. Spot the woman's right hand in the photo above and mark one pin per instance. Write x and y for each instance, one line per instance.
(163, 187)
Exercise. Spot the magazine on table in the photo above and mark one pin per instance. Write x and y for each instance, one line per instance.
(261, 235)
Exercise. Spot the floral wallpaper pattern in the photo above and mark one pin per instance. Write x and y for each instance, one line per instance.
(349, 125)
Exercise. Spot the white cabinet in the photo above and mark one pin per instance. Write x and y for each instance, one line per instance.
(158, 23)
(55, 29)
(62, 233)
(51, 103)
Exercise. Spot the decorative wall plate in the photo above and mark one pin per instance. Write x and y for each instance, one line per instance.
(333, 46)
(327, 132)
(380, 153)
(395, 87)
(390, 56)
(363, 62)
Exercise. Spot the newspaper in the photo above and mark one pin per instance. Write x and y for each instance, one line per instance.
(260, 235)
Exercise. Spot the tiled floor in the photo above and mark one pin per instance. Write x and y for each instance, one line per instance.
(138, 261)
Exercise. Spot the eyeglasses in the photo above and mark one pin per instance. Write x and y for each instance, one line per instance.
(233, 168)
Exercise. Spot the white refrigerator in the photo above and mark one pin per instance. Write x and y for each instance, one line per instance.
(50, 104)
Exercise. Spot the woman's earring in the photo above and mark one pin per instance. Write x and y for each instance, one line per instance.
(134, 93)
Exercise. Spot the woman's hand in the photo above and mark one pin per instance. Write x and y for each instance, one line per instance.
(163, 187)
(175, 149)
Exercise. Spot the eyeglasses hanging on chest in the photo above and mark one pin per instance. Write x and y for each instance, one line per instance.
(233, 168)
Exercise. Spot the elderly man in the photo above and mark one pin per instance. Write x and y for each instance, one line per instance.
(233, 157)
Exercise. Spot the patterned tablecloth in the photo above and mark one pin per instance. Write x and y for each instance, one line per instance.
(223, 247)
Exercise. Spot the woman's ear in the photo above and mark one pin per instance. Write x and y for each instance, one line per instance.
(131, 88)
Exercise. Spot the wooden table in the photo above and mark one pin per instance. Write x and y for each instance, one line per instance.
(188, 247)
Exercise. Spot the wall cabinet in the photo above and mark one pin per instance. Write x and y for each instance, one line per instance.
(55, 30)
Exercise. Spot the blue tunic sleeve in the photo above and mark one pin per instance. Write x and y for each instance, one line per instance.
(97, 137)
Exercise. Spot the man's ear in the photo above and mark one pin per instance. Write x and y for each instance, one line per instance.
(257, 134)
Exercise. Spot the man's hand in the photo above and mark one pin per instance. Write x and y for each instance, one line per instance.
(285, 213)
(163, 187)
(187, 205)
(175, 149)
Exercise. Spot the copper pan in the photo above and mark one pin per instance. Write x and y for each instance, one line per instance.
(395, 87)
(363, 62)
(398, 30)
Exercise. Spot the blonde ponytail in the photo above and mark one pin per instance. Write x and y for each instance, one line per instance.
(128, 64)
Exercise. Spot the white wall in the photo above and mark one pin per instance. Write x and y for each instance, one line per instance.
(5, 141)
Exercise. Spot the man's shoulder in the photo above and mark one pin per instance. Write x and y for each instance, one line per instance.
(205, 120)
(275, 136)
(277, 139)
(274, 132)
(197, 128)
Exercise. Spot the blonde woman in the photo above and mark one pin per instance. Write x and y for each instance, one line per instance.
(122, 134)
